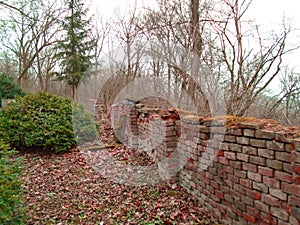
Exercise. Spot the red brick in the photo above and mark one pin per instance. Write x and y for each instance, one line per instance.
(296, 180)
(246, 183)
(270, 200)
(294, 201)
(270, 182)
(220, 194)
(295, 189)
(253, 211)
(249, 218)
(283, 176)
(249, 166)
(296, 168)
(254, 194)
(233, 178)
(267, 219)
(223, 160)
(265, 171)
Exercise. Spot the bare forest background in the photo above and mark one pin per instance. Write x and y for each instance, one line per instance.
(199, 52)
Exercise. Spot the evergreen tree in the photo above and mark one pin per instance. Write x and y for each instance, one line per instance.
(75, 47)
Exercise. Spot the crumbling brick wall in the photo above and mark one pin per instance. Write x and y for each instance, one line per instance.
(240, 170)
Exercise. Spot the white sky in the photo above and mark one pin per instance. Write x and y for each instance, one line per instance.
(268, 13)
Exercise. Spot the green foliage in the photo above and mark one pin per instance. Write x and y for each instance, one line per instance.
(76, 46)
(44, 121)
(11, 202)
(8, 87)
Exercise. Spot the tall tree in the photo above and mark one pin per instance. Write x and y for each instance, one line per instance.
(75, 49)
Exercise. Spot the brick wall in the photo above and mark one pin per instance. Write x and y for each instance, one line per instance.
(241, 171)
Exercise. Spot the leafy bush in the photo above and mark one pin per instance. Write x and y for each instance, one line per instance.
(8, 88)
(11, 202)
(45, 121)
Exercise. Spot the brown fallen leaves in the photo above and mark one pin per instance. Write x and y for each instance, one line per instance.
(64, 189)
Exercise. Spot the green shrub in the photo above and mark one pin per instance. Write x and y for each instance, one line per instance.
(44, 121)
(8, 88)
(11, 202)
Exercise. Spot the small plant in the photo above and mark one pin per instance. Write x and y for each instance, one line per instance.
(44, 121)
(8, 88)
(11, 202)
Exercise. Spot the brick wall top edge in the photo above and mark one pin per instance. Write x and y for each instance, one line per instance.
(283, 133)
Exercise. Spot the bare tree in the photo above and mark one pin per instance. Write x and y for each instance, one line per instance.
(247, 70)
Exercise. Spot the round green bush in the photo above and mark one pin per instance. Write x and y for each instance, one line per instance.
(8, 88)
(45, 121)
(11, 201)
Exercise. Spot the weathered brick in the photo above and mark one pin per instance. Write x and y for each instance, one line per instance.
(230, 155)
(234, 131)
(283, 176)
(280, 213)
(287, 167)
(269, 200)
(261, 206)
(258, 143)
(271, 182)
(254, 176)
(235, 147)
(283, 156)
(243, 140)
(233, 178)
(236, 164)
(249, 132)
(243, 157)
(249, 150)
(230, 138)
(248, 201)
(288, 147)
(265, 134)
(249, 167)
(275, 145)
(295, 157)
(267, 153)
(260, 186)
(228, 198)
(275, 164)
(295, 216)
(265, 171)
(239, 173)
(278, 194)
(258, 160)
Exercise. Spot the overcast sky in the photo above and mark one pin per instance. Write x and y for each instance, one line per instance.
(268, 13)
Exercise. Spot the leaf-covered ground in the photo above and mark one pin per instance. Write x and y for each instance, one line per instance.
(65, 189)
